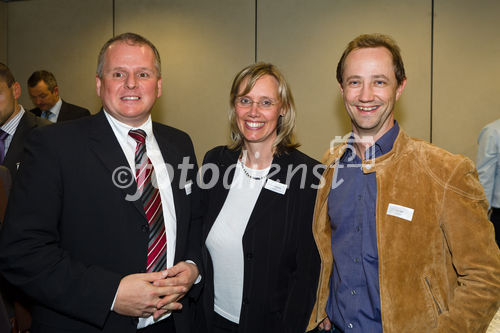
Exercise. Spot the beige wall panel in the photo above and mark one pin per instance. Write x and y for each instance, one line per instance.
(466, 72)
(64, 37)
(306, 39)
(3, 32)
(203, 44)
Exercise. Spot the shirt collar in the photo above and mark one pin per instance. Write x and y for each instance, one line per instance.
(382, 146)
(385, 143)
(11, 126)
(122, 129)
(57, 107)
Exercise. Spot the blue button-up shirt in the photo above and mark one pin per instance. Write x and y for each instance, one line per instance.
(354, 302)
(488, 162)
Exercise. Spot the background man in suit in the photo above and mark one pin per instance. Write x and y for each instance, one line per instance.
(5, 322)
(15, 122)
(77, 236)
(5, 325)
(15, 126)
(44, 93)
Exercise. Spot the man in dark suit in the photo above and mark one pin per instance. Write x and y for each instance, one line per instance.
(15, 122)
(5, 324)
(44, 93)
(81, 230)
(15, 126)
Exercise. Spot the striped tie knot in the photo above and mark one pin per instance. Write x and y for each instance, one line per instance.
(143, 166)
(138, 135)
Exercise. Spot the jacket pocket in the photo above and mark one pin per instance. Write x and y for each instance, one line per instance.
(433, 295)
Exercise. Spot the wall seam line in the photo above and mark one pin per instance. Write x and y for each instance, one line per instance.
(113, 10)
(255, 37)
(432, 71)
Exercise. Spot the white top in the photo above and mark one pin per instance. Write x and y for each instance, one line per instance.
(128, 145)
(488, 162)
(224, 241)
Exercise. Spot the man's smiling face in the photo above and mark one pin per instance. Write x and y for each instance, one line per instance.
(129, 85)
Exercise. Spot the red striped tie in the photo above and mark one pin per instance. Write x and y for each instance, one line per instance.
(151, 199)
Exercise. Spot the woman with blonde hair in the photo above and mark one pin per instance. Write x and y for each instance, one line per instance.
(260, 262)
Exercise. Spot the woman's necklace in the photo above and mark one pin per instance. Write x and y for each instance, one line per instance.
(248, 174)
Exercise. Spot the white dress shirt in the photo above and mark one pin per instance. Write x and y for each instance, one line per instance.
(128, 145)
(54, 111)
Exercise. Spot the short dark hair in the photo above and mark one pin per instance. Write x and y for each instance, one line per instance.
(6, 75)
(131, 39)
(45, 76)
(370, 41)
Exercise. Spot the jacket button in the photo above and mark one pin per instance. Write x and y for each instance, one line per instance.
(145, 228)
(249, 255)
(245, 301)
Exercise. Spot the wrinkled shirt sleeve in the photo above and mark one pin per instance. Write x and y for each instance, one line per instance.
(488, 161)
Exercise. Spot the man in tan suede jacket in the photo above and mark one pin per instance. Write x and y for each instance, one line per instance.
(401, 225)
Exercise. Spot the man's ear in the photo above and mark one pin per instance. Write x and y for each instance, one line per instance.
(158, 94)
(400, 88)
(16, 89)
(98, 85)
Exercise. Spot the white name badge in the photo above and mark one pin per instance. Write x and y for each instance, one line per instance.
(400, 211)
(275, 186)
(187, 187)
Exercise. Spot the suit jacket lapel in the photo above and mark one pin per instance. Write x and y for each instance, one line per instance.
(17, 144)
(105, 145)
(62, 112)
(13, 156)
(267, 198)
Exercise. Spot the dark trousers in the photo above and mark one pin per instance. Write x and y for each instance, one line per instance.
(495, 218)
(4, 319)
(164, 326)
(222, 325)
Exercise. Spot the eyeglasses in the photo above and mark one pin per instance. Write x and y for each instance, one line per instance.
(245, 103)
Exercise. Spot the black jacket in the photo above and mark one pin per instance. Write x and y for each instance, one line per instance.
(281, 262)
(15, 154)
(70, 234)
(68, 112)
